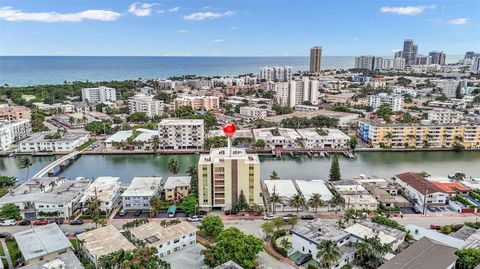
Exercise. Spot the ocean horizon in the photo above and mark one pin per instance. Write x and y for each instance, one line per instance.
(39, 70)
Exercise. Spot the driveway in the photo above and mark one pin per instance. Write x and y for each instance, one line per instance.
(189, 257)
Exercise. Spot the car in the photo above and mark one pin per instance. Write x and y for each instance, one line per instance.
(3, 235)
(8, 222)
(76, 222)
(24, 222)
(202, 213)
(194, 219)
(138, 213)
(268, 217)
(303, 259)
(435, 227)
(230, 212)
(307, 217)
(287, 217)
(40, 222)
(57, 221)
(122, 213)
(78, 232)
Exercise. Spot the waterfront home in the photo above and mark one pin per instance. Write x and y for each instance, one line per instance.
(420, 190)
(452, 188)
(385, 192)
(307, 188)
(67, 260)
(285, 190)
(168, 239)
(426, 254)
(323, 138)
(355, 195)
(115, 140)
(42, 243)
(138, 194)
(103, 241)
(47, 197)
(106, 190)
(306, 237)
(177, 187)
(53, 142)
(278, 137)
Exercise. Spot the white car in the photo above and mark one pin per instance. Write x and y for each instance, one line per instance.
(194, 219)
(269, 217)
(8, 222)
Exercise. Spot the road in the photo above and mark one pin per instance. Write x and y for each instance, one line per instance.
(440, 220)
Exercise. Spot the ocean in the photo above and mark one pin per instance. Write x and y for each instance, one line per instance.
(38, 70)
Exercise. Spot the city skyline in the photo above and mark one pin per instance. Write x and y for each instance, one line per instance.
(169, 28)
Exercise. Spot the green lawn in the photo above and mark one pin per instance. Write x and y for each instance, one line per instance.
(13, 249)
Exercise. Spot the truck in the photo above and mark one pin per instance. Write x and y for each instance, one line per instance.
(171, 211)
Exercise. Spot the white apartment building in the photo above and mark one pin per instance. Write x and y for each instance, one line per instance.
(278, 137)
(295, 92)
(139, 192)
(253, 112)
(395, 101)
(420, 190)
(365, 62)
(145, 103)
(106, 190)
(166, 240)
(445, 116)
(449, 88)
(13, 131)
(48, 195)
(323, 138)
(167, 84)
(276, 73)
(181, 133)
(306, 108)
(99, 94)
(197, 102)
(39, 142)
(199, 83)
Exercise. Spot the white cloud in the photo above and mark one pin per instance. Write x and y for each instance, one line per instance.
(141, 9)
(458, 21)
(174, 9)
(199, 16)
(10, 14)
(408, 10)
(182, 31)
(220, 40)
(233, 28)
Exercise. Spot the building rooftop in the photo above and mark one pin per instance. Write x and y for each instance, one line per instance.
(143, 186)
(103, 188)
(284, 188)
(310, 187)
(145, 135)
(238, 133)
(370, 229)
(451, 187)
(155, 234)
(311, 114)
(119, 136)
(425, 254)
(419, 232)
(105, 240)
(176, 122)
(40, 241)
(173, 182)
(284, 134)
(229, 265)
(419, 183)
(67, 260)
(219, 154)
(380, 192)
(67, 137)
(312, 134)
(319, 230)
(40, 190)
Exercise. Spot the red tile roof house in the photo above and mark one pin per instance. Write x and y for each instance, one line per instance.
(453, 188)
(419, 190)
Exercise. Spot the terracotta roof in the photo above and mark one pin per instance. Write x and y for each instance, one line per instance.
(419, 183)
(451, 187)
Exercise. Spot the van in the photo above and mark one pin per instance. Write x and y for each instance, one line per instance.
(8, 222)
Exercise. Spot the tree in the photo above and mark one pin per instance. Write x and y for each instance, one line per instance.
(173, 165)
(335, 169)
(268, 228)
(6, 181)
(274, 175)
(353, 142)
(286, 244)
(468, 258)
(337, 200)
(328, 253)
(138, 117)
(370, 252)
(212, 225)
(155, 142)
(10, 211)
(132, 259)
(315, 201)
(242, 204)
(98, 127)
(155, 204)
(293, 220)
(297, 201)
(274, 199)
(260, 143)
(189, 205)
(26, 163)
(193, 173)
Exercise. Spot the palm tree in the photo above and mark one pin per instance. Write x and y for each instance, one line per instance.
(315, 201)
(297, 201)
(155, 204)
(337, 200)
(301, 142)
(155, 142)
(41, 187)
(92, 204)
(286, 244)
(26, 163)
(328, 253)
(52, 184)
(274, 175)
(274, 199)
(173, 165)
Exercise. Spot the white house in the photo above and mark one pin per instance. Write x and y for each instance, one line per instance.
(106, 190)
(140, 191)
(420, 190)
(42, 142)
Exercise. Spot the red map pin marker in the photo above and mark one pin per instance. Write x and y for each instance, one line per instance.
(229, 129)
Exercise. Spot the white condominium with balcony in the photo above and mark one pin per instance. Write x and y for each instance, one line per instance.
(276, 73)
(181, 133)
(395, 101)
(99, 94)
(13, 131)
(253, 112)
(295, 92)
(145, 103)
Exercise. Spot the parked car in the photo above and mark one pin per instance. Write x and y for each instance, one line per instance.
(76, 222)
(307, 217)
(57, 221)
(202, 213)
(287, 217)
(122, 212)
(303, 259)
(24, 222)
(269, 217)
(230, 212)
(138, 213)
(78, 232)
(8, 222)
(40, 222)
(435, 227)
(3, 235)
(194, 218)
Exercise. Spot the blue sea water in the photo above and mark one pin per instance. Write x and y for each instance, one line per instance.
(37, 70)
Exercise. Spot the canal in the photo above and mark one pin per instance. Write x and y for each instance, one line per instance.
(381, 164)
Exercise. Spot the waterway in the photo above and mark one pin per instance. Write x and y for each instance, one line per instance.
(381, 164)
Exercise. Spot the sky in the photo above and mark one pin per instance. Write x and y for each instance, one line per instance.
(235, 27)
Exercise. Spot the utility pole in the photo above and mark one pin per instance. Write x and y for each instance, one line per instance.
(425, 201)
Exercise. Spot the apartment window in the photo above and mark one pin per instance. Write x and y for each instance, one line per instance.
(176, 241)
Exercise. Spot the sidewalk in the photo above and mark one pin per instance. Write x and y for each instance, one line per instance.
(7, 254)
(272, 252)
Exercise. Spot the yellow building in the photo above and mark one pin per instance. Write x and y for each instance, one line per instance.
(420, 135)
(223, 176)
